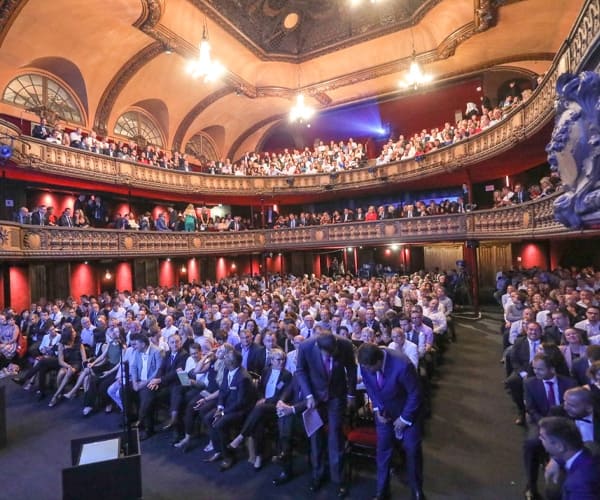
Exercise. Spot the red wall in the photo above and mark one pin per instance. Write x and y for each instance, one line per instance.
(123, 276)
(58, 201)
(20, 293)
(533, 255)
(166, 273)
(84, 280)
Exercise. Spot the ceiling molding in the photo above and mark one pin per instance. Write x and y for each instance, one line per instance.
(343, 40)
(152, 11)
(187, 121)
(248, 132)
(120, 80)
(9, 11)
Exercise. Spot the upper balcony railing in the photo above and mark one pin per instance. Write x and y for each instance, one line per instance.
(520, 124)
(530, 220)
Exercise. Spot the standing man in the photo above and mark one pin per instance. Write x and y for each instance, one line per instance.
(393, 387)
(326, 373)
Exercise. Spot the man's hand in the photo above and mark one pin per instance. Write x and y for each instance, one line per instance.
(153, 384)
(218, 416)
(399, 426)
(310, 402)
(552, 472)
(283, 409)
(260, 402)
(381, 418)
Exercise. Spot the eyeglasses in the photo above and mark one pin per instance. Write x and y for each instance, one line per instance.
(277, 359)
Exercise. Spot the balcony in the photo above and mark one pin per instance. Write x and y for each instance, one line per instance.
(532, 220)
(56, 161)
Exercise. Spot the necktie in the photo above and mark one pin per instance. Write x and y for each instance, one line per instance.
(532, 350)
(327, 364)
(380, 379)
(550, 393)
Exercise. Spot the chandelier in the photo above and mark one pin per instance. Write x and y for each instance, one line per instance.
(415, 76)
(300, 112)
(204, 66)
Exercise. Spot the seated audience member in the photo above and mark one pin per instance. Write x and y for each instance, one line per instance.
(147, 361)
(400, 343)
(200, 404)
(562, 440)
(542, 392)
(71, 355)
(274, 381)
(574, 348)
(9, 334)
(236, 398)
(41, 130)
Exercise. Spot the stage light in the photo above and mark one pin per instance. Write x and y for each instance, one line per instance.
(6, 151)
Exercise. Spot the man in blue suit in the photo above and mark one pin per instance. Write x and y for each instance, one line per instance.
(562, 440)
(326, 373)
(393, 387)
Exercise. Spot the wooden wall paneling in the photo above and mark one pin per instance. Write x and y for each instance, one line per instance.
(57, 285)
(38, 282)
(491, 257)
(139, 274)
(443, 257)
(151, 271)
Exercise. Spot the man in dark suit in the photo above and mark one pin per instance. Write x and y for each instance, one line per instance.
(41, 131)
(542, 392)
(39, 217)
(66, 219)
(236, 398)
(521, 356)
(326, 372)
(393, 387)
(562, 440)
(253, 355)
(580, 367)
(166, 383)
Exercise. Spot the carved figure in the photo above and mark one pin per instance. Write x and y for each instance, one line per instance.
(574, 149)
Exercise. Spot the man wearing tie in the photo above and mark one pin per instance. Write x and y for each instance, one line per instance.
(521, 357)
(326, 373)
(66, 220)
(542, 393)
(393, 387)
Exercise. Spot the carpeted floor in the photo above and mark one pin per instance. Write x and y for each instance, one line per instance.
(472, 448)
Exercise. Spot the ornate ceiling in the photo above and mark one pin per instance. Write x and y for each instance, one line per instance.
(112, 54)
(302, 29)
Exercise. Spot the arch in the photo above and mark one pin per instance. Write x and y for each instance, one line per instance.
(68, 72)
(195, 112)
(217, 134)
(238, 142)
(156, 108)
(46, 96)
(120, 80)
(202, 147)
(138, 125)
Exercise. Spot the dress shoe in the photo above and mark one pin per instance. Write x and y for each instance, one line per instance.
(342, 491)
(283, 478)
(226, 464)
(236, 442)
(213, 458)
(531, 494)
(209, 447)
(316, 485)
(257, 463)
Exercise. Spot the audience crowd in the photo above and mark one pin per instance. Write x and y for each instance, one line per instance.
(551, 335)
(180, 343)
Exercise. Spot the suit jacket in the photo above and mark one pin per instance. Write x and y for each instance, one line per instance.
(400, 394)
(240, 395)
(536, 399)
(519, 356)
(36, 219)
(64, 221)
(579, 370)
(583, 478)
(312, 374)
(168, 368)
(284, 379)
(256, 358)
(154, 362)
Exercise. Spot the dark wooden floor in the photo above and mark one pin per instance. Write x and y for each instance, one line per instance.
(472, 448)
